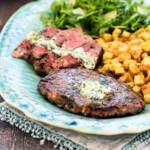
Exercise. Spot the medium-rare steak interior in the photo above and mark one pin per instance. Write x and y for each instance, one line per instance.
(90, 93)
(55, 48)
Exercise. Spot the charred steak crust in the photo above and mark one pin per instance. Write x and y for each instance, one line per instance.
(58, 87)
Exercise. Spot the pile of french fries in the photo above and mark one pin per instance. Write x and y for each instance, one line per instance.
(127, 56)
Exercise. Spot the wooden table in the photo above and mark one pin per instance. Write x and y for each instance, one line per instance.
(11, 138)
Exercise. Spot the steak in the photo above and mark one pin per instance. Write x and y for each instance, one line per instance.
(68, 48)
(67, 34)
(23, 50)
(76, 42)
(49, 32)
(39, 51)
(66, 62)
(45, 64)
(62, 88)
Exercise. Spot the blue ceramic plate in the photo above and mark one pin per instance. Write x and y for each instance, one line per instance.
(18, 84)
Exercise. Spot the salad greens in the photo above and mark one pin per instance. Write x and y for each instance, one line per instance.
(97, 16)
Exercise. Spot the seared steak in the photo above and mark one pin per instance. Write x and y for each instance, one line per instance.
(67, 34)
(45, 64)
(62, 87)
(23, 50)
(68, 48)
(39, 51)
(49, 32)
(76, 42)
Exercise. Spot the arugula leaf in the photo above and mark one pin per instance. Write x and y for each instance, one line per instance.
(97, 17)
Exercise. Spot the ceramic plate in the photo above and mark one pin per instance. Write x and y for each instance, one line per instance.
(18, 84)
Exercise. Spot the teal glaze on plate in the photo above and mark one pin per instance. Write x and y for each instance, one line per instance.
(18, 83)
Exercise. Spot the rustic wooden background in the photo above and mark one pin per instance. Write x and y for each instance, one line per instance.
(11, 138)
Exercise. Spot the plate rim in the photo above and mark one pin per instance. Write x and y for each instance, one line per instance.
(60, 125)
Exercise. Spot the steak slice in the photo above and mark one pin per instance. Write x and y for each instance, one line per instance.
(66, 62)
(39, 51)
(62, 88)
(41, 66)
(50, 31)
(80, 50)
(23, 50)
(76, 42)
(67, 34)
(94, 49)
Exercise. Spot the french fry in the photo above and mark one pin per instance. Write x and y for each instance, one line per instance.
(148, 28)
(139, 79)
(129, 77)
(131, 84)
(134, 69)
(119, 71)
(137, 42)
(148, 78)
(125, 34)
(115, 60)
(126, 63)
(144, 55)
(107, 37)
(123, 48)
(140, 30)
(146, 35)
(107, 61)
(147, 99)
(146, 46)
(136, 89)
(100, 41)
(107, 55)
(135, 51)
(123, 78)
(148, 72)
(132, 37)
(145, 64)
(117, 65)
(123, 57)
(116, 33)
(105, 68)
(111, 67)
(145, 89)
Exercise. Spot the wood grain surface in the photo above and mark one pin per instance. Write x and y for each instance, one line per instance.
(11, 138)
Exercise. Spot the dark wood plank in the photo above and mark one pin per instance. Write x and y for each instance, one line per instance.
(11, 138)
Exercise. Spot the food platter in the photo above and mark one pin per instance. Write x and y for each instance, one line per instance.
(18, 84)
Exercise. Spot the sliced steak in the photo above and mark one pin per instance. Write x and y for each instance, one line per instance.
(41, 66)
(67, 34)
(62, 88)
(80, 50)
(39, 51)
(23, 50)
(76, 42)
(49, 32)
(94, 49)
(66, 62)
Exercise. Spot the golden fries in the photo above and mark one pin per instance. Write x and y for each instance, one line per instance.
(127, 56)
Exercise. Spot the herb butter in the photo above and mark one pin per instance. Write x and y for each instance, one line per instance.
(37, 38)
(93, 89)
